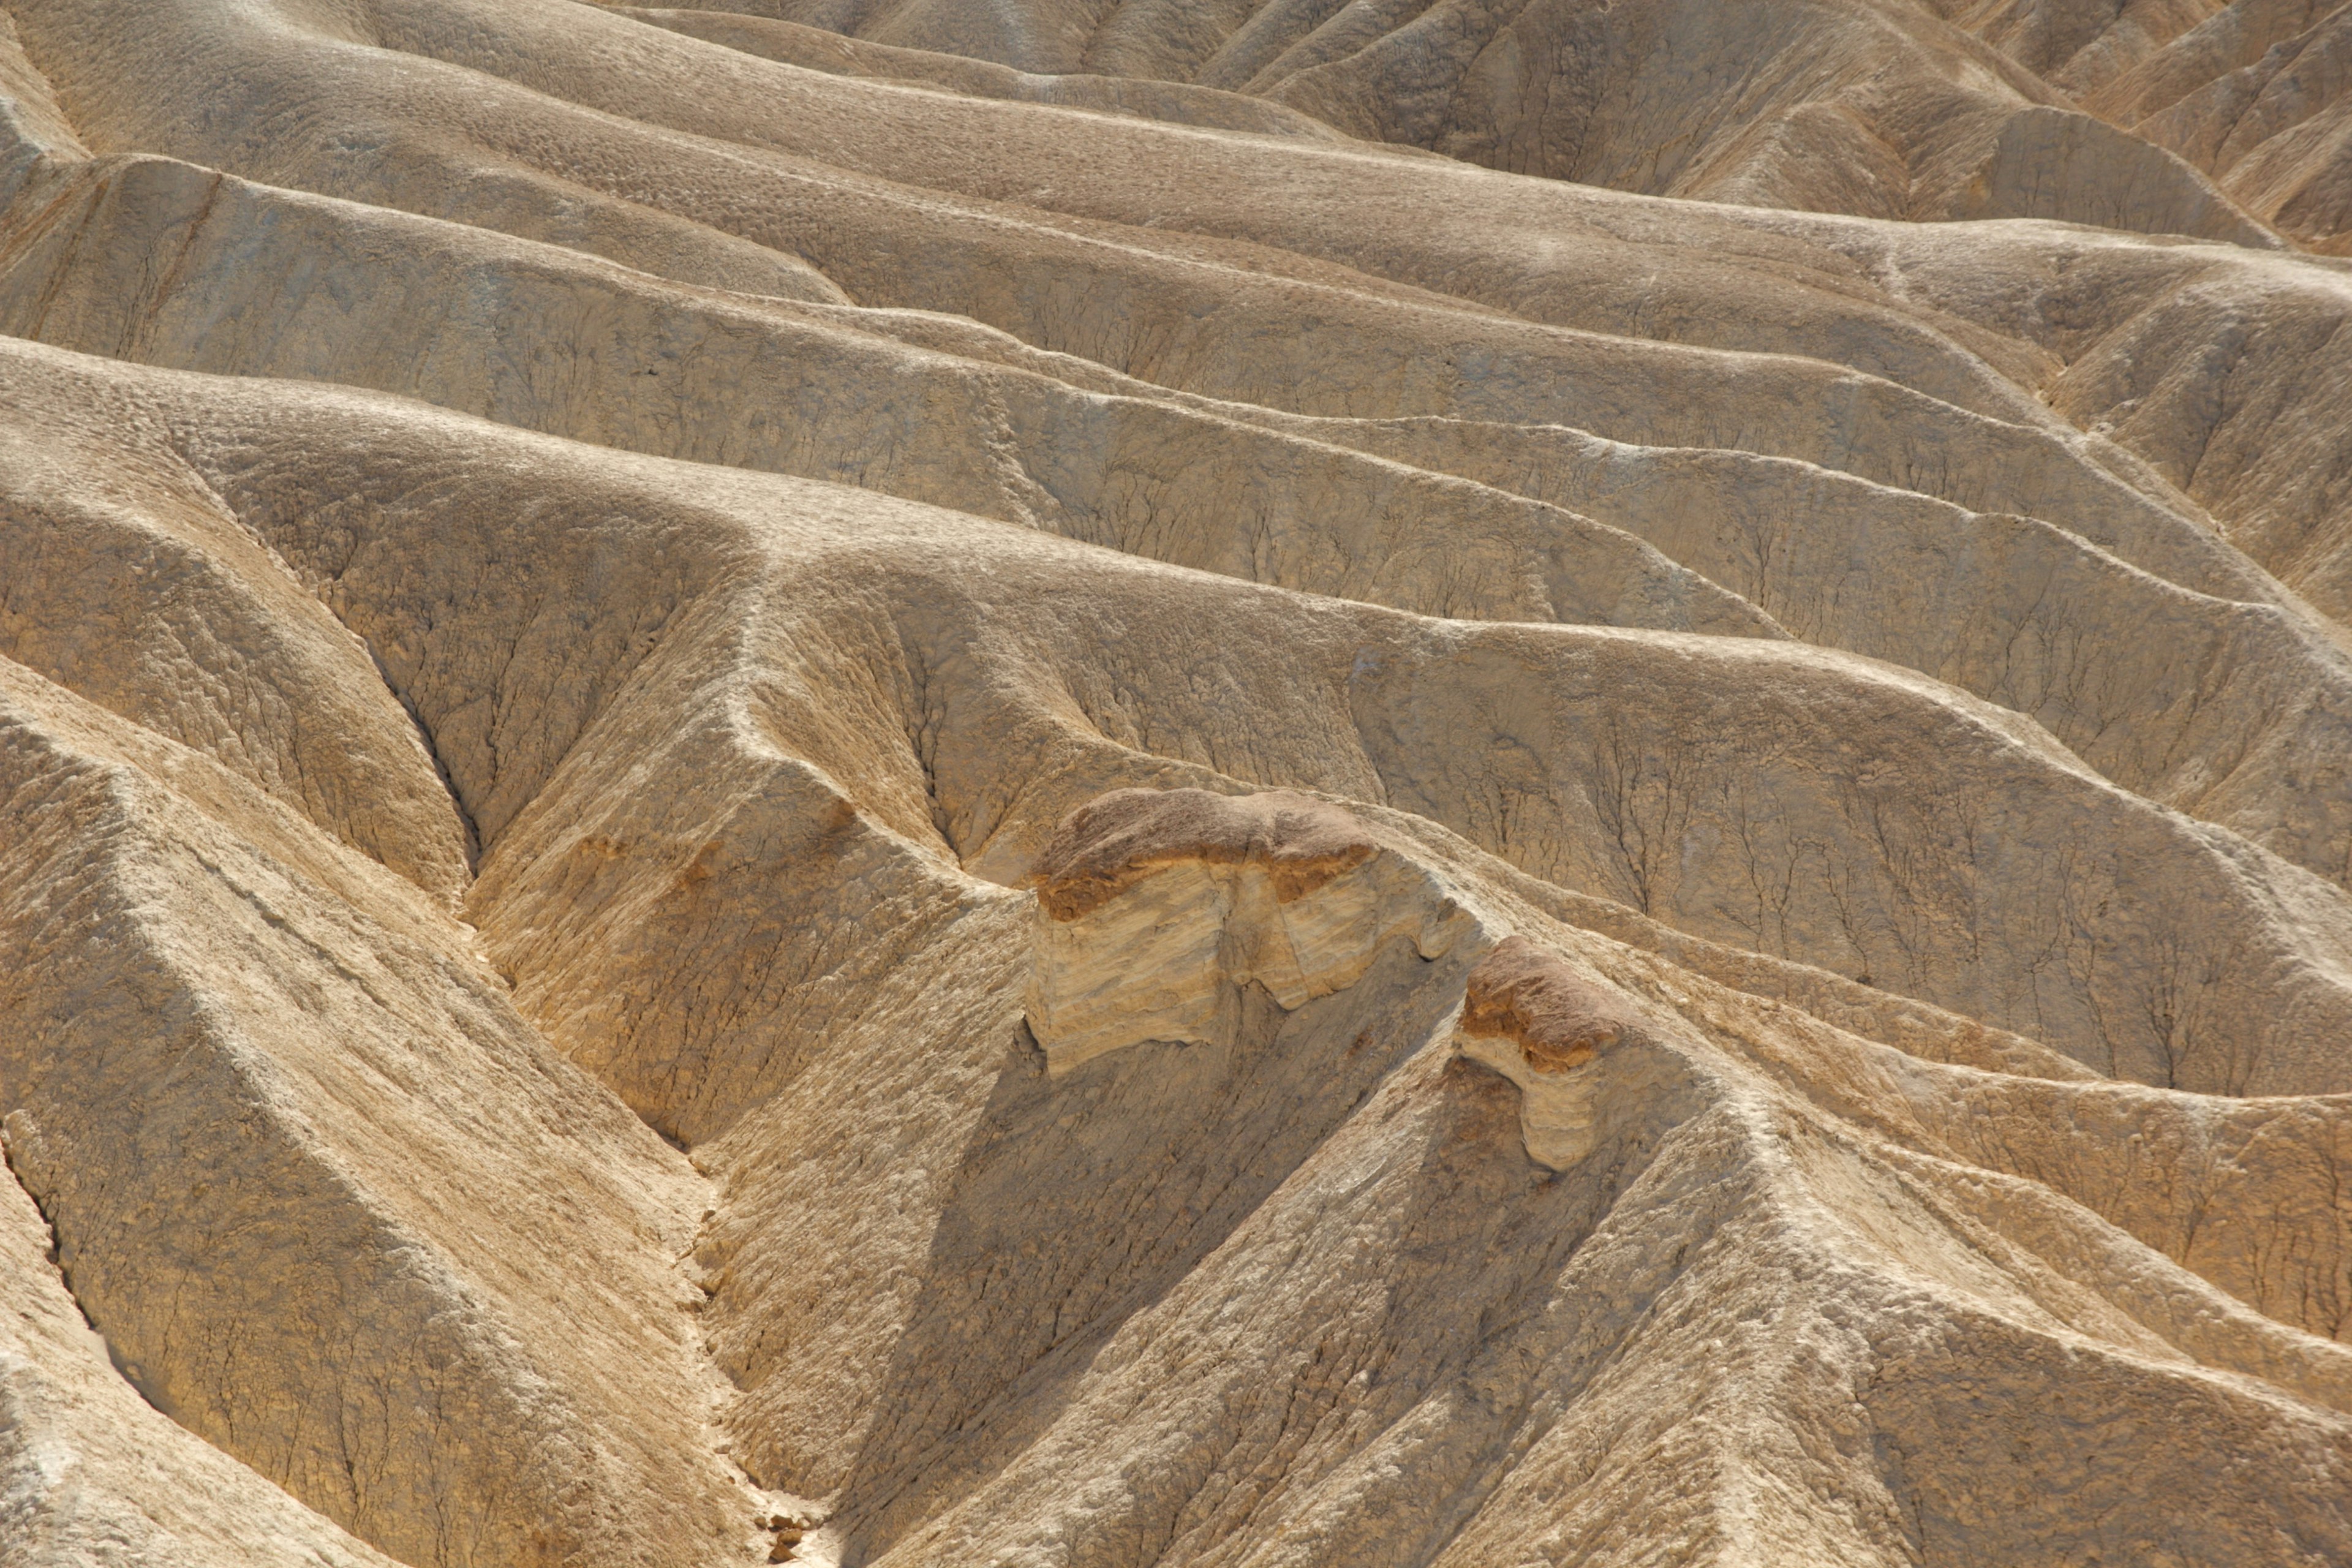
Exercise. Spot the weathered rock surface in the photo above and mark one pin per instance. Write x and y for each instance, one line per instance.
(1882, 110)
(1565, 1041)
(2200, 118)
(895, 783)
(1276, 891)
(2089, 112)
(89, 1474)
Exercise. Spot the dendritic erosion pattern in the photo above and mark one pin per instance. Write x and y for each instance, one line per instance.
(1133, 784)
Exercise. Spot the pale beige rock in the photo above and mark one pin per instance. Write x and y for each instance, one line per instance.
(1158, 909)
(821, 50)
(300, 1153)
(1877, 111)
(1511, 735)
(2278, 132)
(890, 784)
(33, 130)
(90, 1475)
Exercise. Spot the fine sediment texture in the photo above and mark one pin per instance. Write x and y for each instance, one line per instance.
(1152, 785)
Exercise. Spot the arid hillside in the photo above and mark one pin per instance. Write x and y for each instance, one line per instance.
(2166, 116)
(1175, 784)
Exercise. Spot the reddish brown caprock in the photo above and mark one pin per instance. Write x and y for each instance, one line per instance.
(1116, 840)
(1558, 1020)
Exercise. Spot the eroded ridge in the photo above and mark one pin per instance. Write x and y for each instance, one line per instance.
(1130, 785)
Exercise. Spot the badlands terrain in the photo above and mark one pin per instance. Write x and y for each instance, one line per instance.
(1133, 784)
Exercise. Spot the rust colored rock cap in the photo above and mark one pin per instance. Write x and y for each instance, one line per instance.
(1558, 1019)
(1116, 840)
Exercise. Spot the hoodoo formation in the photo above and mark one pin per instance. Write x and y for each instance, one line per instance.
(1176, 784)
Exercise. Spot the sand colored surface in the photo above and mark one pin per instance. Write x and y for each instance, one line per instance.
(885, 783)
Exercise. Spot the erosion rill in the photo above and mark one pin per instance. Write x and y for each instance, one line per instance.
(1151, 784)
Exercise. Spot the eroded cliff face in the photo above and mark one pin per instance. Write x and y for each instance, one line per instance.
(908, 784)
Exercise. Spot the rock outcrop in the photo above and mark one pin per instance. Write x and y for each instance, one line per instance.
(1159, 907)
(1566, 1041)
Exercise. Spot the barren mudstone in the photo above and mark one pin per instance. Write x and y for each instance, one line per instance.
(1528, 1014)
(1159, 785)
(1108, 845)
(1158, 907)
(1520, 993)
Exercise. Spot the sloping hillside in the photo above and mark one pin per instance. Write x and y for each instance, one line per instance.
(1173, 785)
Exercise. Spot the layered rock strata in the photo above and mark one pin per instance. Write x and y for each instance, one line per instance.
(1565, 1041)
(1158, 909)
(893, 784)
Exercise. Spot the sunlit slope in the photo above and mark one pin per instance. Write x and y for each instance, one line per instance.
(889, 785)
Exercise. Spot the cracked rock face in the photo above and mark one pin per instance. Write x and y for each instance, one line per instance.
(1162, 785)
(1158, 908)
(1572, 1046)
(1297, 844)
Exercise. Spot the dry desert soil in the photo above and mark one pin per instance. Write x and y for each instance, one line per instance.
(1176, 784)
